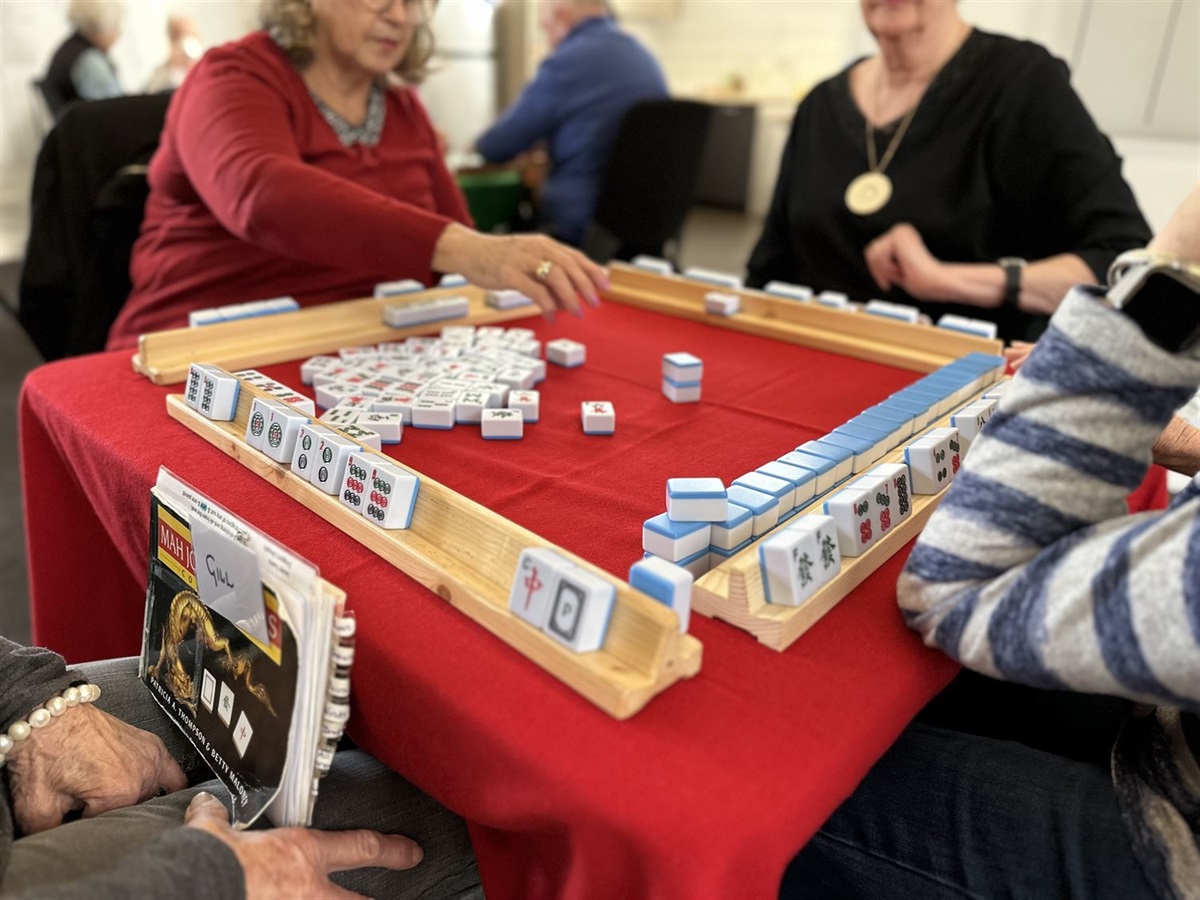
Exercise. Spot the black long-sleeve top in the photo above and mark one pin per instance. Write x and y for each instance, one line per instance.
(181, 863)
(1001, 159)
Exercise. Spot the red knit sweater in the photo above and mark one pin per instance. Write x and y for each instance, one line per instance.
(252, 196)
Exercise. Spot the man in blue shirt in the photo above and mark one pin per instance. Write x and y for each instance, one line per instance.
(593, 74)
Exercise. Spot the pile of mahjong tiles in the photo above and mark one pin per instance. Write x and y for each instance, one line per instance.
(483, 376)
(860, 499)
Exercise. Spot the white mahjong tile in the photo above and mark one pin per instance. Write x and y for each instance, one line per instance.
(469, 406)
(599, 417)
(502, 424)
(669, 584)
(398, 402)
(218, 396)
(719, 304)
(682, 367)
(970, 420)
(283, 428)
(528, 402)
(340, 416)
(580, 610)
(298, 402)
(256, 422)
(357, 478)
(681, 393)
(893, 500)
(534, 584)
(800, 559)
(332, 452)
(304, 455)
(565, 352)
(521, 379)
(850, 509)
(391, 496)
(932, 461)
(388, 425)
(364, 436)
(191, 388)
(433, 413)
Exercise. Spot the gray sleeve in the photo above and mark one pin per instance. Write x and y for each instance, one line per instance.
(1030, 569)
(183, 863)
(94, 78)
(29, 676)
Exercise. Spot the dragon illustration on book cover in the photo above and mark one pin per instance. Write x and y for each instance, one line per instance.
(187, 612)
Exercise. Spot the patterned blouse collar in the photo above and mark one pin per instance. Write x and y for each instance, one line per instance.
(367, 133)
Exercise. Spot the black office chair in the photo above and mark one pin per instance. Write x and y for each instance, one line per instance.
(650, 181)
(89, 195)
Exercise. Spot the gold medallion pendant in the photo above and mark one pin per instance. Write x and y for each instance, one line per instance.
(868, 193)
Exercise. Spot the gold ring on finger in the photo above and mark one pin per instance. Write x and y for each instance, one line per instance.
(543, 270)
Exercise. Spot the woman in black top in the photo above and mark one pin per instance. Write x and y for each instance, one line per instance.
(975, 149)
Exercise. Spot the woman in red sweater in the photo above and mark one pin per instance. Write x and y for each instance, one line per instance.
(299, 161)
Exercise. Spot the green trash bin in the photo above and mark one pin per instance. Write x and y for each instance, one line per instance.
(493, 198)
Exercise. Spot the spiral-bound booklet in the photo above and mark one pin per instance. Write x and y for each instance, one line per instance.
(248, 650)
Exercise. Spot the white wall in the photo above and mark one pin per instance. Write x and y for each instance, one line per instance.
(776, 51)
(30, 32)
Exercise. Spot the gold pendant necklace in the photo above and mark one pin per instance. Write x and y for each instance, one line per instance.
(870, 191)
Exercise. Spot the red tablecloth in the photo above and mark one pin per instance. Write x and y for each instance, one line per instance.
(707, 792)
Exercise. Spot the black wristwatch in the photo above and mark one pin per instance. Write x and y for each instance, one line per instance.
(1012, 266)
(1161, 294)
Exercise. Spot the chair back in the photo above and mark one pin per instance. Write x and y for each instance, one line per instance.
(39, 109)
(650, 181)
(88, 201)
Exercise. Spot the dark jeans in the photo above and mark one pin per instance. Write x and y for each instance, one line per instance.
(946, 813)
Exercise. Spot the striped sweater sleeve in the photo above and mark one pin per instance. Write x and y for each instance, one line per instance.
(1031, 570)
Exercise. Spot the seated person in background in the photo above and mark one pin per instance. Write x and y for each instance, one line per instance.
(145, 833)
(291, 165)
(1030, 571)
(956, 171)
(81, 68)
(185, 50)
(575, 103)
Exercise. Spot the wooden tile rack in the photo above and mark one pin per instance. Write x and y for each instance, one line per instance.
(467, 554)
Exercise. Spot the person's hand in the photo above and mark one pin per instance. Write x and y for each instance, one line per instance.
(296, 862)
(443, 141)
(1180, 237)
(899, 258)
(1016, 353)
(1178, 447)
(86, 760)
(513, 263)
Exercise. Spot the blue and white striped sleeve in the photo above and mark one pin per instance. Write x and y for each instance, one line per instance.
(1031, 570)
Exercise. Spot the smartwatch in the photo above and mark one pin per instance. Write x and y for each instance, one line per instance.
(1012, 266)
(1161, 294)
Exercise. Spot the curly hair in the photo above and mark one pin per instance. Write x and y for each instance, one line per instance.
(293, 27)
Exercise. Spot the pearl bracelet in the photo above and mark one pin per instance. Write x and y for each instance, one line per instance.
(42, 716)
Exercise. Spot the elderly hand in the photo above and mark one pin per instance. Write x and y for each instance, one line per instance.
(296, 862)
(899, 258)
(1016, 353)
(1180, 237)
(554, 276)
(86, 760)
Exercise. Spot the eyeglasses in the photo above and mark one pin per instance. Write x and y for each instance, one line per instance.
(417, 10)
